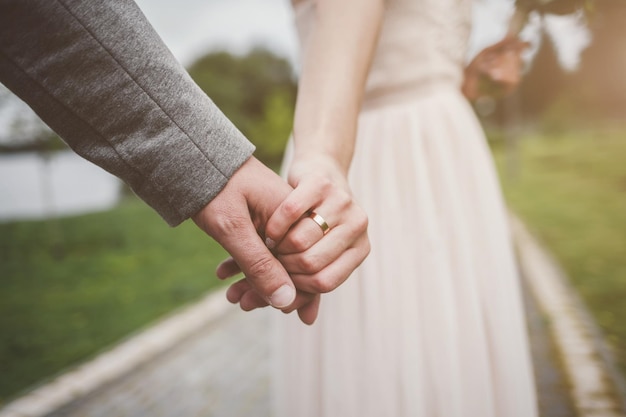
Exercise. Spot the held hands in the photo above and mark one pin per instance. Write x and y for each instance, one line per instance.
(235, 217)
(317, 262)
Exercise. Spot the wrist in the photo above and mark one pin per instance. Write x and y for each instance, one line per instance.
(325, 144)
(319, 165)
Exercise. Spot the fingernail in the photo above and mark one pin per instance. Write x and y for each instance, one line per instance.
(270, 243)
(283, 296)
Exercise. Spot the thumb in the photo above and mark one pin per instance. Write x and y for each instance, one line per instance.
(227, 218)
(262, 270)
(236, 233)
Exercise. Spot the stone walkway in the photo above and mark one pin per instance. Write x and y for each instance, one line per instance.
(212, 360)
(222, 371)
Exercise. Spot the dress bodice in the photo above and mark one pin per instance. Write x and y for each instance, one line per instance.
(422, 42)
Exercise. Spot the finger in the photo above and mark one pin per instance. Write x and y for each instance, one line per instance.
(237, 290)
(331, 247)
(253, 191)
(303, 235)
(248, 301)
(308, 313)
(337, 205)
(306, 304)
(334, 274)
(251, 300)
(320, 255)
(243, 293)
(293, 208)
(227, 268)
(302, 299)
(263, 271)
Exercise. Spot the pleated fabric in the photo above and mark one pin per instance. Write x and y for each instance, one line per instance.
(432, 323)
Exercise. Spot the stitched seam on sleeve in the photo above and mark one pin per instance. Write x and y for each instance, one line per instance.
(96, 132)
(140, 87)
(70, 110)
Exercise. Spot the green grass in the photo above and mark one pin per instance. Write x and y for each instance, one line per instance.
(73, 286)
(571, 191)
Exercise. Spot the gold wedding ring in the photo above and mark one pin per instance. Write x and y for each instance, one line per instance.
(320, 222)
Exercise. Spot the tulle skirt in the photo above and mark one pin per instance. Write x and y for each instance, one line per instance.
(432, 323)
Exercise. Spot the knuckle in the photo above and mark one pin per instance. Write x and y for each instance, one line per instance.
(344, 200)
(309, 264)
(225, 223)
(246, 307)
(325, 185)
(260, 267)
(322, 284)
(291, 209)
(360, 221)
(298, 242)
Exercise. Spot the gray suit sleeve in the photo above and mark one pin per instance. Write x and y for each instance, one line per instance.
(99, 75)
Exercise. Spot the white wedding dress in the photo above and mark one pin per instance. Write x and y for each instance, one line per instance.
(432, 323)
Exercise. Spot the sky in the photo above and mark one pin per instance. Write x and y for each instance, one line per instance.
(191, 28)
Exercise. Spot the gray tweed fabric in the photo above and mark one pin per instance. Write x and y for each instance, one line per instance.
(100, 76)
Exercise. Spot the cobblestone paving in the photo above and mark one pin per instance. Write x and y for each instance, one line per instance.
(220, 372)
(224, 372)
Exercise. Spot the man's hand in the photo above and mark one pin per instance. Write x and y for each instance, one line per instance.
(317, 262)
(236, 216)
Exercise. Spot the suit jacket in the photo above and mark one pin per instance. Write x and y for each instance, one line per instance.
(98, 74)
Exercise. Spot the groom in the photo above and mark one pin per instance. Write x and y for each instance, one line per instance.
(97, 73)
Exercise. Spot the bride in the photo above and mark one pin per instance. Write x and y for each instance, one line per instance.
(432, 323)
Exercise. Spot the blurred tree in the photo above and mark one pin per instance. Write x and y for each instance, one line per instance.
(256, 91)
(544, 81)
(596, 90)
(600, 79)
(21, 129)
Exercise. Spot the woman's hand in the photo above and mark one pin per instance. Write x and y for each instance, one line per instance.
(496, 70)
(317, 261)
(335, 64)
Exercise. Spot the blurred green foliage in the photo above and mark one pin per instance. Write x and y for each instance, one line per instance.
(72, 286)
(571, 191)
(257, 92)
(26, 132)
